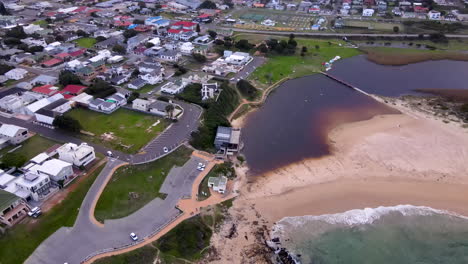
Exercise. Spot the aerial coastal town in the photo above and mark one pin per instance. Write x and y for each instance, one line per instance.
(159, 131)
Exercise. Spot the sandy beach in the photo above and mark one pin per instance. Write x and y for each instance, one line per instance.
(409, 158)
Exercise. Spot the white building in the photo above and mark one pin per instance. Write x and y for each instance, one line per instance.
(31, 28)
(218, 183)
(153, 77)
(174, 88)
(141, 104)
(56, 169)
(80, 155)
(209, 90)
(433, 15)
(31, 185)
(367, 12)
(186, 48)
(34, 107)
(115, 59)
(13, 134)
(16, 74)
(237, 58)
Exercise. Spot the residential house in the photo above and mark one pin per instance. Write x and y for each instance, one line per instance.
(367, 12)
(137, 83)
(209, 91)
(141, 104)
(117, 99)
(149, 66)
(13, 134)
(47, 90)
(434, 15)
(57, 170)
(169, 56)
(159, 107)
(186, 48)
(31, 109)
(201, 49)
(154, 77)
(12, 208)
(218, 183)
(32, 186)
(51, 63)
(48, 113)
(31, 28)
(72, 90)
(182, 30)
(82, 99)
(78, 155)
(174, 87)
(120, 79)
(237, 58)
(16, 74)
(203, 40)
(227, 140)
(133, 42)
(44, 80)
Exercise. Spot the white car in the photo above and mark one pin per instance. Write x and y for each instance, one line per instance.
(165, 149)
(201, 166)
(109, 153)
(133, 236)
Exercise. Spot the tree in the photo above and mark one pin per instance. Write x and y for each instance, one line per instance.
(119, 49)
(129, 33)
(197, 29)
(170, 110)
(292, 43)
(4, 68)
(67, 123)
(207, 5)
(317, 47)
(304, 49)
(12, 41)
(68, 77)
(291, 36)
(100, 89)
(100, 38)
(141, 5)
(12, 159)
(262, 48)
(212, 34)
(133, 96)
(396, 29)
(3, 10)
(82, 33)
(35, 49)
(199, 57)
(244, 44)
(16, 32)
(138, 21)
(247, 89)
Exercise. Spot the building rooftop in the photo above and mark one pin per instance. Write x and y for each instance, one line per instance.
(9, 130)
(6, 199)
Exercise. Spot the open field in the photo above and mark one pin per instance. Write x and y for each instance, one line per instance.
(31, 147)
(133, 186)
(86, 42)
(280, 66)
(41, 23)
(127, 130)
(20, 241)
(284, 19)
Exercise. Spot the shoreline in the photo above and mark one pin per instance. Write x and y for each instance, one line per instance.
(387, 160)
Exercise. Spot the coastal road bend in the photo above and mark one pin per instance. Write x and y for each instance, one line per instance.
(74, 244)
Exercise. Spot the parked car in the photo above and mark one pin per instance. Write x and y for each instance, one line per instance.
(109, 153)
(165, 149)
(35, 212)
(133, 236)
(201, 166)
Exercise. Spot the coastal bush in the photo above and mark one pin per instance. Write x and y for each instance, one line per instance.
(191, 93)
(100, 89)
(247, 89)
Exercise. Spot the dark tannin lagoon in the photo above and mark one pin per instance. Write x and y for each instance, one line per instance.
(294, 121)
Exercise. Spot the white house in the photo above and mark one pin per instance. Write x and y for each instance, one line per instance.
(31, 28)
(155, 41)
(433, 15)
(237, 58)
(141, 104)
(32, 185)
(56, 169)
(80, 155)
(34, 107)
(115, 59)
(16, 74)
(218, 183)
(137, 83)
(158, 107)
(208, 90)
(153, 77)
(186, 48)
(367, 12)
(117, 99)
(174, 88)
(170, 56)
(13, 134)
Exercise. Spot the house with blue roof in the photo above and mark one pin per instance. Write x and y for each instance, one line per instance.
(157, 21)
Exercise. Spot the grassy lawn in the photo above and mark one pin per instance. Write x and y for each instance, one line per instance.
(293, 66)
(31, 147)
(183, 243)
(146, 88)
(86, 42)
(131, 187)
(131, 130)
(20, 241)
(41, 23)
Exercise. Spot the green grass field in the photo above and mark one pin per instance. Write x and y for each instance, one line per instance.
(146, 88)
(131, 187)
(86, 42)
(31, 147)
(293, 66)
(20, 241)
(131, 130)
(41, 23)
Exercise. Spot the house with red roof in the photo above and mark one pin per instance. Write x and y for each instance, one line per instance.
(421, 9)
(48, 90)
(77, 53)
(183, 30)
(52, 62)
(80, 9)
(73, 89)
(63, 56)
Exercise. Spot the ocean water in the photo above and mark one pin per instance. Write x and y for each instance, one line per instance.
(384, 235)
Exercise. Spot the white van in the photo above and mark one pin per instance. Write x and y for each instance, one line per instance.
(35, 212)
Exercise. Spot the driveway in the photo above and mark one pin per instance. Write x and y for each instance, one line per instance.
(84, 239)
(248, 69)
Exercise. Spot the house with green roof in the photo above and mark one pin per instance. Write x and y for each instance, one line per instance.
(12, 208)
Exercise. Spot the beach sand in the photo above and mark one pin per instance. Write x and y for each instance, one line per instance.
(409, 158)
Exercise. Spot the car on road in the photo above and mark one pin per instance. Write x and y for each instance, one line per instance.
(133, 236)
(165, 149)
(35, 212)
(201, 166)
(109, 153)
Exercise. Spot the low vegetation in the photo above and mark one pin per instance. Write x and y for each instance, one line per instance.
(86, 42)
(247, 89)
(31, 147)
(132, 187)
(20, 241)
(123, 130)
(224, 169)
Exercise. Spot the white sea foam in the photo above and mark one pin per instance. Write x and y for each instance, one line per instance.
(357, 216)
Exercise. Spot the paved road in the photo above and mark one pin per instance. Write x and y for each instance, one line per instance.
(302, 33)
(73, 244)
(170, 138)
